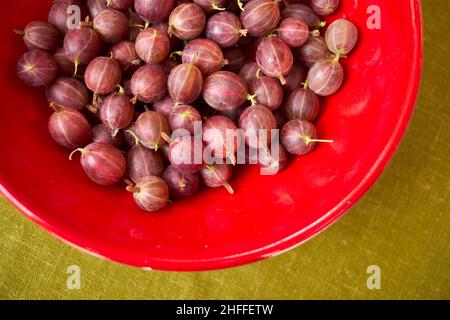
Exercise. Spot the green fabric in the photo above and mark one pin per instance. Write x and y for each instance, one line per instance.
(402, 225)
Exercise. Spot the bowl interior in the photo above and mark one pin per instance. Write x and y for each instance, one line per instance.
(268, 214)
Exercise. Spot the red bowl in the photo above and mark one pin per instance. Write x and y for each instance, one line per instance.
(268, 214)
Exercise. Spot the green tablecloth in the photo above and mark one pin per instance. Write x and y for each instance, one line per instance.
(402, 225)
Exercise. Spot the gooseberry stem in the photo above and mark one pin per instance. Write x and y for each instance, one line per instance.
(19, 32)
(305, 85)
(76, 63)
(308, 140)
(182, 184)
(240, 5)
(166, 137)
(114, 132)
(81, 150)
(232, 158)
(320, 140)
(133, 189)
(135, 62)
(252, 98)
(137, 25)
(258, 74)
(271, 35)
(242, 32)
(86, 22)
(121, 89)
(322, 24)
(315, 33)
(96, 100)
(176, 53)
(135, 137)
(336, 58)
(229, 188)
(134, 99)
(214, 6)
(55, 106)
(91, 108)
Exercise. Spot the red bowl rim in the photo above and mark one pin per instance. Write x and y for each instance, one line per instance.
(103, 251)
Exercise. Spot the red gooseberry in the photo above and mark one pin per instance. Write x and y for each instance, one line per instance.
(103, 75)
(40, 35)
(218, 175)
(325, 77)
(257, 122)
(324, 7)
(225, 90)
(274, 58)
(299, 137)
(341, 37)
(149, 83)
(152, 45)
(302, 104)
(187, 21)
(68, 93)
(111, 25)
(116, 112)
(81, 45)
(225, 29)
(293, 31)
(37, 68)
(267, 91)
(260, 17)
(154, 11)
(185, 83)
(181, 184)
(205, 54)
(150, 194)
(69, 128)
(151, 127)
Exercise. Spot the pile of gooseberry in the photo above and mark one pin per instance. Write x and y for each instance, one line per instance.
(131, 73)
